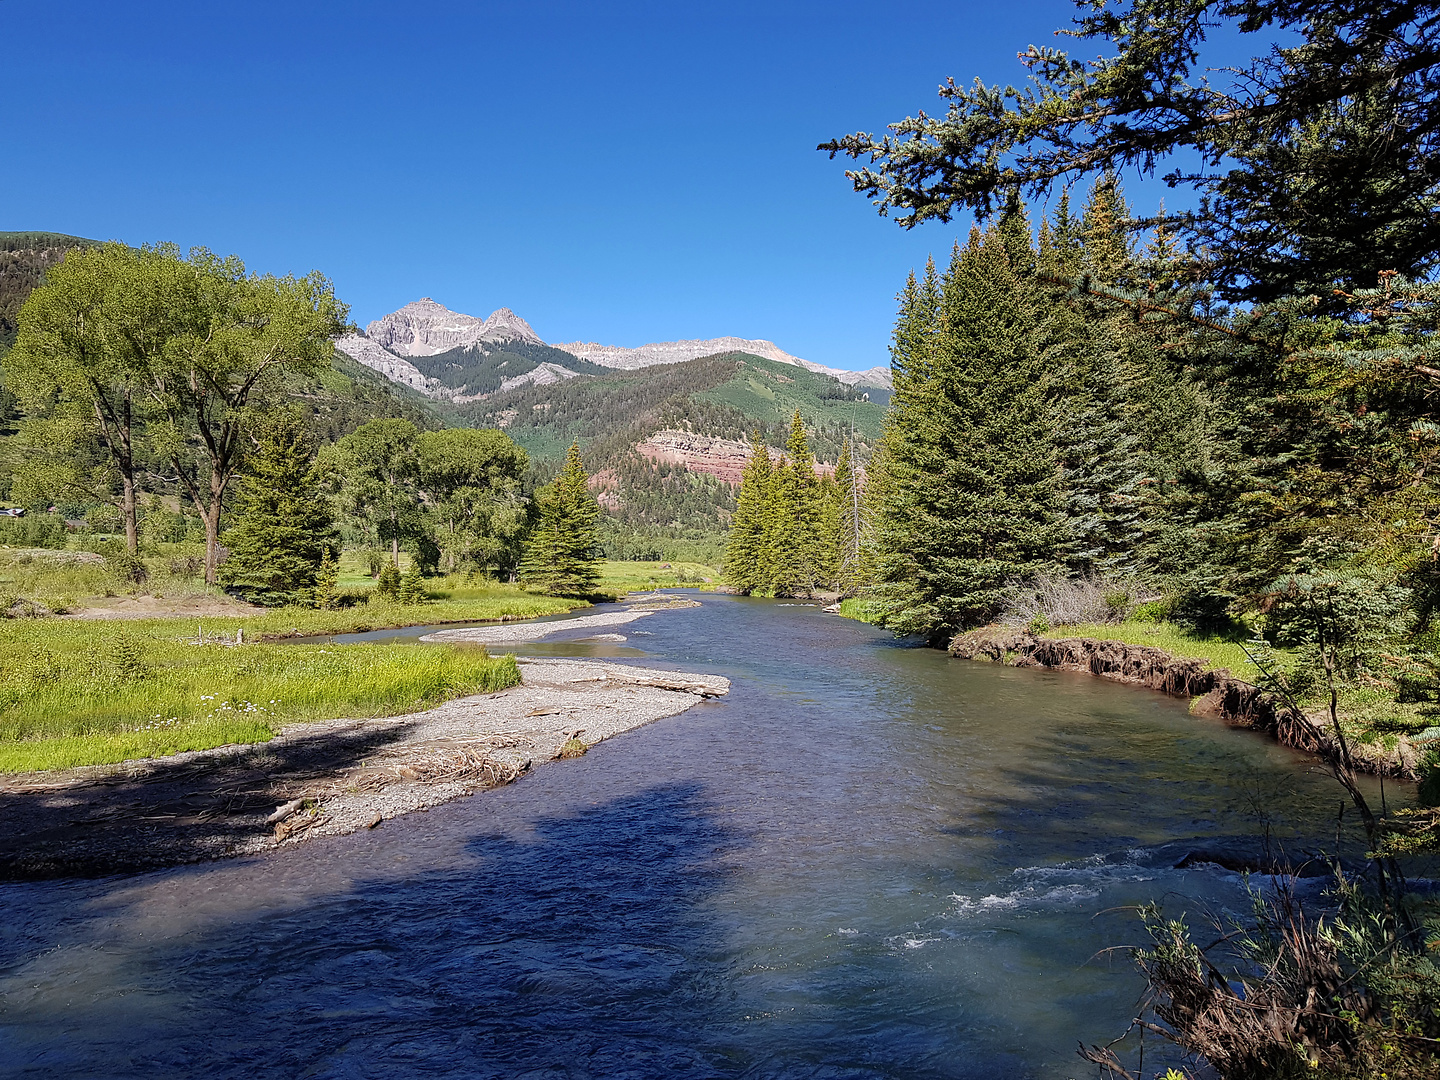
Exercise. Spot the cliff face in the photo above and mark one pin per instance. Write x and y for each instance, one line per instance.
(724, 458)
(364, 351)
(425, 328)
(1213, 691)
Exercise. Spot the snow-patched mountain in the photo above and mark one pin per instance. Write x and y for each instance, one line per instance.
(425, 328)
(675, 352)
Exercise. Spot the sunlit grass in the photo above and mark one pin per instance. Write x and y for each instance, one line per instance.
(1217, 651)
(619, 577)
(76, 693)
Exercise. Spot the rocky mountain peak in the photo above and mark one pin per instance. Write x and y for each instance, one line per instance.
(504, 325)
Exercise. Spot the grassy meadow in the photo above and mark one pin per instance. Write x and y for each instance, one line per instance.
(97, 691)
(88, 693)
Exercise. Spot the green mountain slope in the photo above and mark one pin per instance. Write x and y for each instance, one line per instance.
(669, 509)
(725, 396)
(482, 371)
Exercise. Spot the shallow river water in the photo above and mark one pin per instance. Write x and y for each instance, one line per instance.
(868, 861)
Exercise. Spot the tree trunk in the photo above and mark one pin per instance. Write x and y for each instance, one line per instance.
(128, 510)
(211, 517)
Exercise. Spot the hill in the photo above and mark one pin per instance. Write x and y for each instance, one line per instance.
(24, 258)
(667, 442)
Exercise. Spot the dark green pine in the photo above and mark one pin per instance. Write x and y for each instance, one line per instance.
(284, 527)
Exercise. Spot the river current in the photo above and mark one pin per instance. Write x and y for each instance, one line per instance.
(869, 860)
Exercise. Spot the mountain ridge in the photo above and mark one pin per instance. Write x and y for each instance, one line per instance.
(425, 328)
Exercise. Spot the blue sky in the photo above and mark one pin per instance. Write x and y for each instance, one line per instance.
(620, 172)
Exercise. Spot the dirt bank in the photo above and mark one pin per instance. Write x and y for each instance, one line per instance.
(322, 779)
(1213, 691)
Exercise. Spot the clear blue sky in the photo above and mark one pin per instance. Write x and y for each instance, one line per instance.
(620, 172)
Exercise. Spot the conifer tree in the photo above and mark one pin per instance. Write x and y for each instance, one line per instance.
(562, 556)
(849, 542)
(972, 504)
(327, 577)
(796, 514)
(1083, 345)
(284, 529)
(749, 564)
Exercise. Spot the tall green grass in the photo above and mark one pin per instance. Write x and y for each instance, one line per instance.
(75, 693)
(1217, 651)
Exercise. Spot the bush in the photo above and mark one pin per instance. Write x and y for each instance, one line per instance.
(388, 583)
(1038, 625)
(33, 530)
(1065, 601)
(127, 567)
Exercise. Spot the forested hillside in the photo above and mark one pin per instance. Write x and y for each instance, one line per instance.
(654, 505)
(479, 370)
(24, 258)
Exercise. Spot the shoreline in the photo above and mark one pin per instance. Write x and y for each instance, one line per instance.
(325, 778)
(1213, 692)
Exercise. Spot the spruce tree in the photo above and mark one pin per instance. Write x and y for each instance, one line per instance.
(969, 453)
(284, 528)
(563, 555)
(1083, 345)
(796, 514)
(749, 565)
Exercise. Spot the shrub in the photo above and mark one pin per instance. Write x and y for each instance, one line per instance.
(1038, 625)
(1065, 601)
(127, 567)
(412, 586)
(33, 530)
(387, 584)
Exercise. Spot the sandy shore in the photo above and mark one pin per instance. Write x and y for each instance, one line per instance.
(327, 778)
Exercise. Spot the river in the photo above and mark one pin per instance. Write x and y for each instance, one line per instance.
(868, 861)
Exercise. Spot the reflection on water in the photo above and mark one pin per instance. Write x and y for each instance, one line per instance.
(867, 861)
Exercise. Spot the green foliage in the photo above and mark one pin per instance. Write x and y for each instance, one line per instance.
(1314, 159)
(25, 257)
(327, 575)
(33, 531)
(782, 535)
(154, 691)
(562, 556)
(412, 586)
(387, 585)
(471, 483)
(969, 478)
(749, 551)
(284, 530)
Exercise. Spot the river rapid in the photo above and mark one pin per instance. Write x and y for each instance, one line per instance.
(869, 860)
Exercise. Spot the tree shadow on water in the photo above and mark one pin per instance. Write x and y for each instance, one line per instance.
(585, 949)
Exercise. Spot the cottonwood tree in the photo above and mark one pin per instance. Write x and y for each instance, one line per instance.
(82, 366)
(234, 339)
(471, 482)
(377, 469)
